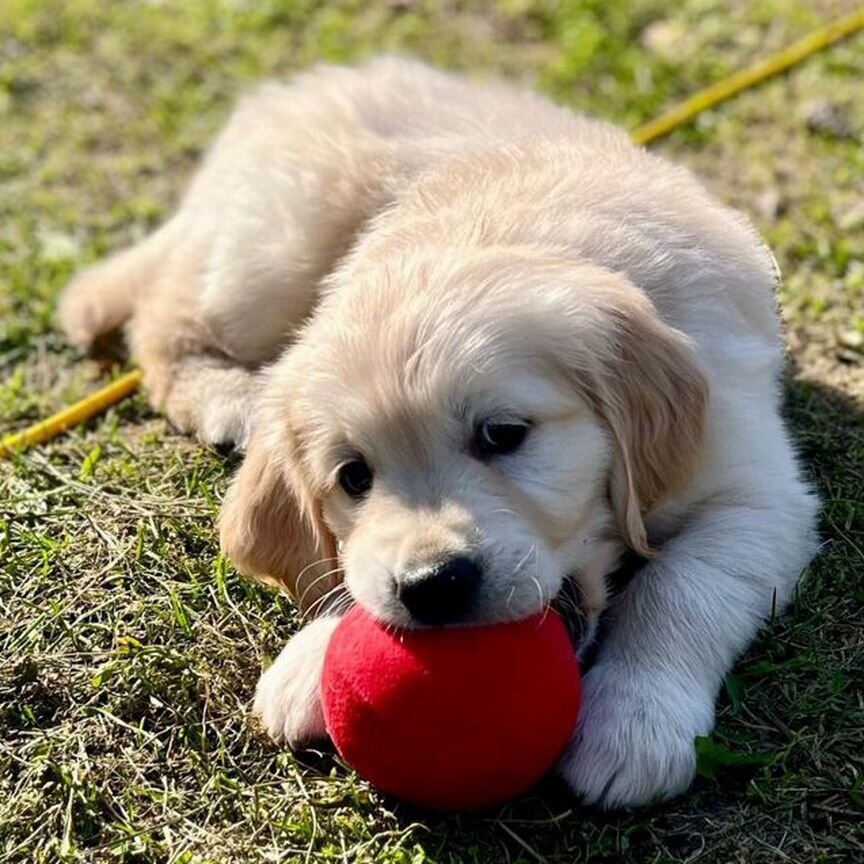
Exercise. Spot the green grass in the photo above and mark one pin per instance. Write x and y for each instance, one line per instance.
(128, 648)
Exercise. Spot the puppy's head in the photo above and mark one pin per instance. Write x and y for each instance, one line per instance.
(457, 438)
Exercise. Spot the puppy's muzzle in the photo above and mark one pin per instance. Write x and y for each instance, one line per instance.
(443, 592)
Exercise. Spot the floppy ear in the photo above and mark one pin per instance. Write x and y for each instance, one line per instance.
(271, 534)
(645, 384)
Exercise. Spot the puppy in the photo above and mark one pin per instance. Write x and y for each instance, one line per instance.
(477, 348)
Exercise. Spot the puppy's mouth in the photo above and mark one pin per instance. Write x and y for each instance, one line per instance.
(394, 613)
(459, 593)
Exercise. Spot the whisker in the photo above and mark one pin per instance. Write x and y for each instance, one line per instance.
(523, 560)
(540, 593)
(545, 604)
(341, 606)
(317, 580)
(567, 605)
(510, 595)
(313, 584)
(315, 607)
(323, 597)
(315, 564)
(515, 572)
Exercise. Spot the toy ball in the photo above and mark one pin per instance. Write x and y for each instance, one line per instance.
(451, 718)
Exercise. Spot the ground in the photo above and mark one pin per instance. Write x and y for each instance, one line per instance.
(129, 648)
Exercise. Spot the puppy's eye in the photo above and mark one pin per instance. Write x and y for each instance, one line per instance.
(498, 439)
(355, 477)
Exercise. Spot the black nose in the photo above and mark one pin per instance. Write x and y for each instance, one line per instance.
(442, 593)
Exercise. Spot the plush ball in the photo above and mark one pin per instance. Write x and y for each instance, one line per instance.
(453, 718)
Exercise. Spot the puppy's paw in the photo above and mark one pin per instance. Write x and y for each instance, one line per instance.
(288, 696)
(635, 741)
(226, 424)
(215, 403)
(88, 309)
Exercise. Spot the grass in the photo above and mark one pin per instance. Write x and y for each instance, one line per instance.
(128, 647)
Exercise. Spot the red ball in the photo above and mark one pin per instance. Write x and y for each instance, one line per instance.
(451, 719)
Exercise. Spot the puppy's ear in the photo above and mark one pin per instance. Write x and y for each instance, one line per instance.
(644, 383)
(272, 534)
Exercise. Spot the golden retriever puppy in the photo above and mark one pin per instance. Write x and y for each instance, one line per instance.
(477, 348)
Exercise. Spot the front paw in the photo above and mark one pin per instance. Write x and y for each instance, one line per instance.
(288, 695)
(634, 744)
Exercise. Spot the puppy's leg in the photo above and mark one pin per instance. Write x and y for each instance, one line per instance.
(204, 393)
(288, 696)
(679, 625)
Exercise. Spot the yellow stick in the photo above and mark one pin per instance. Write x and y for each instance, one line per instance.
(685, 111)
(74, 415)
(673, 119)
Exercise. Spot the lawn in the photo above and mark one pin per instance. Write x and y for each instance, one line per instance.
(129, 648)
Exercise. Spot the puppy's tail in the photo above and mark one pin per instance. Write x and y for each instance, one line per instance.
(102, 298)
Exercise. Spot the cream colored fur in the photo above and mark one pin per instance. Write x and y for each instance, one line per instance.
(373, 261)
